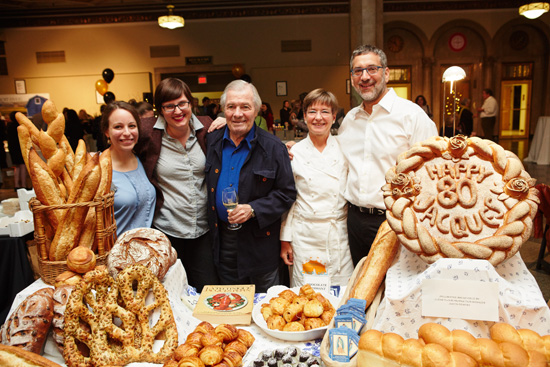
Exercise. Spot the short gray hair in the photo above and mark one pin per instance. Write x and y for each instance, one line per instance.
(366, 49)
(240, 85)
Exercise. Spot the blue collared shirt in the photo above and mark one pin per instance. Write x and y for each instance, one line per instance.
(233, 158)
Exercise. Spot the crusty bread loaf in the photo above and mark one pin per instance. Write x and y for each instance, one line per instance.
(106, 172)
(60, 299)
(80, 158)
(28, 325)
(69, 154)
(146, 246)
(486, 352)
(381, 255)
(33, 130)
(84, 190)
(378, 349)
(25, 143)
(19, 357)
(528, 339)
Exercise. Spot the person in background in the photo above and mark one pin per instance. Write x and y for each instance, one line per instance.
(3, 138)
(172, 149)
(267, 114)
(257, 165)
(447, 129)
(371, 137)
(421, 101)
(284, 113)
(19, 168)
(145, 110)
(96, 130)
(135, 197)
(208, 108)
(260, 121)
(73, 128)
(488, 113)
(316, 225)
(466, 117)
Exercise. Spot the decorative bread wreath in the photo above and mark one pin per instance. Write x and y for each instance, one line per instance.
(460, 198)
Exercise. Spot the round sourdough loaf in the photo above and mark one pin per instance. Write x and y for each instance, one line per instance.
(460, 198)
(145, 246)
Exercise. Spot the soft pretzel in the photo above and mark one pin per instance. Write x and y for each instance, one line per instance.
(528, 339)
(378, 349)
(485, 352)
(98, 299)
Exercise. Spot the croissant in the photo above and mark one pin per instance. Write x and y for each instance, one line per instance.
(194, 339)
(186, 350)
(190, 362)
(211, 355)
(245, 337)
(204, 327)
(294, 326)
(237, 346)
(227, 332)
(232, 359)
(211, 338)
(313, 308)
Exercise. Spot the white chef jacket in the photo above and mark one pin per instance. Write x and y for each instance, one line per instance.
(316, 224)
(371, 144)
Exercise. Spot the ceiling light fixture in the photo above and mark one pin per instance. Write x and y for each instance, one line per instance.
(534, 10)
(171, 21)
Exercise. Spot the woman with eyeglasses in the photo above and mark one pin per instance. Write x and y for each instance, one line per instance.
(314, 236)
(173, 151)
(134, 202)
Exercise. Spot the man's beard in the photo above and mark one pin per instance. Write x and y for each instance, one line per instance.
(373, 94)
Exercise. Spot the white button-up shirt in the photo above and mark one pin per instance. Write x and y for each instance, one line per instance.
(371, 144)
(490, 107)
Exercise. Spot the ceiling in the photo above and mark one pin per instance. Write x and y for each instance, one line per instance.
(28, 13)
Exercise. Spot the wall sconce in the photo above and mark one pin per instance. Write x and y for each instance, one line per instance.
(171, 21)
(534, 10)
(452, 75)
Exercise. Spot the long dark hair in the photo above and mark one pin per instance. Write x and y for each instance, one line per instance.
(108, 111)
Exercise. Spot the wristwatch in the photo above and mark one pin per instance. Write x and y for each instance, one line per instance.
(252, 213)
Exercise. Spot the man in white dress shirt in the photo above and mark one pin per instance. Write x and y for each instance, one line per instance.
(371, 137)
(488, 113)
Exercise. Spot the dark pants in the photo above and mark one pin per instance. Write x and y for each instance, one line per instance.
(228, 270)
(362, 229)
(488, 125)
(198, 261)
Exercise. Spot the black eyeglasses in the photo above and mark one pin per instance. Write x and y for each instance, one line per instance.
(372, 70)
(183, 105)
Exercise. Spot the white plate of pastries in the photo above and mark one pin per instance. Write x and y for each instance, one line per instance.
(295, 314)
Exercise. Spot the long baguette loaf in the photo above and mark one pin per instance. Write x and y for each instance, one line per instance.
(528, 339)
(18, 357)
(80, 158)
(486, 352)
(33, 130)
(106, 172)
(25, 143)
(56, 128)
(69, 154)
(46, 187)
(49, 112)
(48, 146)
(381, 255)
(389, 349)
(84, 190)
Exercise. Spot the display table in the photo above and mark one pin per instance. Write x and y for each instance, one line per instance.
(175, 283)
(15, 270)
(539, 151)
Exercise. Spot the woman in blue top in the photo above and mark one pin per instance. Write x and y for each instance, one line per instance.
(135, 196)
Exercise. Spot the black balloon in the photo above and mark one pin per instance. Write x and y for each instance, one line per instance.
(108, 75)
(246, 78)
(109, 97)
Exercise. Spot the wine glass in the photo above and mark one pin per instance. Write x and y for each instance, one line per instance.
(230, 201)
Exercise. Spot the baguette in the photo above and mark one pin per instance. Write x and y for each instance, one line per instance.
(49, 112)
(48, 146)
(67, 181)
(80, 158)
(69, 155)
(84, 190)
(87, 236)
(25, 142)
(106, 172)
(56, 128)
(378, 349)
(380, 257)
(33, 130)
(46, 187)
(18, 357)
(57, 162)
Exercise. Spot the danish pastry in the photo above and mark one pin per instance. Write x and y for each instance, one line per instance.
(313, 323)
(278, 305)
(313, 308)
(292, 312)
(294, 326)
(307, 291)
(288, 295)
(275, 322)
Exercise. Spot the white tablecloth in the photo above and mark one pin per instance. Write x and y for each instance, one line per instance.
(175, 283)
(520, 303)
(539, 151)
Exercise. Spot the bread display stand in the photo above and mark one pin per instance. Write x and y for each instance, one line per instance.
(370, 317)
(520, 303)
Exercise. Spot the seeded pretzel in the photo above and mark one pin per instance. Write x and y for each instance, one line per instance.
(452, 223)
(98, 300)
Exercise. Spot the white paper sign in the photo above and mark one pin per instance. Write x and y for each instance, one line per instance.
(319, 283)
(461, 299)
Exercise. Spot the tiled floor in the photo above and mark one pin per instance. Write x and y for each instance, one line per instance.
(529, 250)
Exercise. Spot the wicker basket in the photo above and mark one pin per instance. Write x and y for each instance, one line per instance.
(105, 234)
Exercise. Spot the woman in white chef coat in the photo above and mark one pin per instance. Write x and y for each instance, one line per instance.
(314, 237)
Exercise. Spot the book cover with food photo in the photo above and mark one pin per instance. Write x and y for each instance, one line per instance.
(228, 304)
